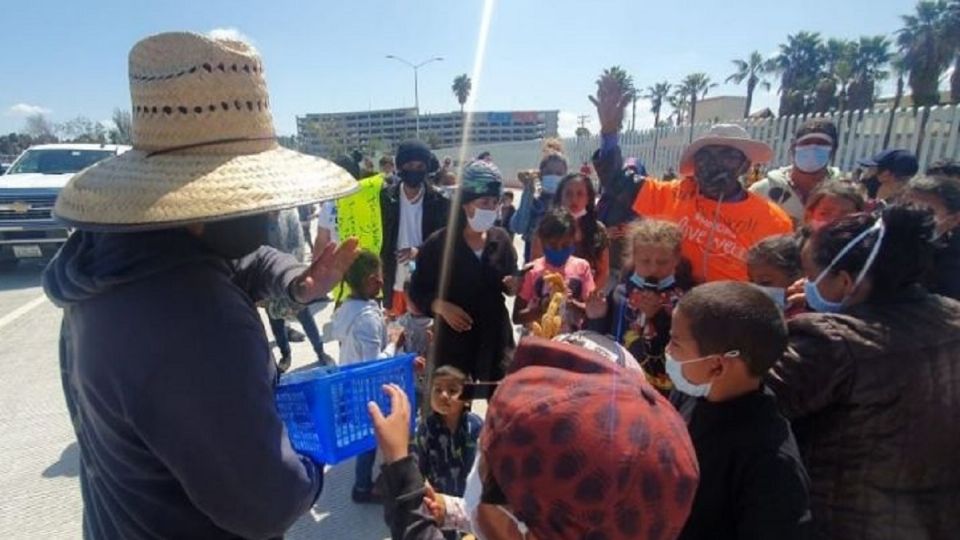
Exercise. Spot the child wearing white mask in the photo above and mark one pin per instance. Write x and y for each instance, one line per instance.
(724, 337)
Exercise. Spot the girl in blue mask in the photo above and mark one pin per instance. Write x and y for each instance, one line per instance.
(557, 234)
(871, 382)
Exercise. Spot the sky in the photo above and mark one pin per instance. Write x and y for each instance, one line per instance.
(66, 58)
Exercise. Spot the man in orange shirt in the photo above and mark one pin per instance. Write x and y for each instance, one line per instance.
(720, 219)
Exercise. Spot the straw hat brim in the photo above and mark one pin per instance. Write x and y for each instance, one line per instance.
(134, 192)
(756, 151)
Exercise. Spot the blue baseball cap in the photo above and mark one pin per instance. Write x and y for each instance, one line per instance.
(899, 162)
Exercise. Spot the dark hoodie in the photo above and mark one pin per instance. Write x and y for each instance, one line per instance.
(170, 385)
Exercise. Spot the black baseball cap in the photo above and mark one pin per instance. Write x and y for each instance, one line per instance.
(899, 162)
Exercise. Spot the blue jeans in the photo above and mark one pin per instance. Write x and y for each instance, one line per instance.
(279, 328)
(363, 479)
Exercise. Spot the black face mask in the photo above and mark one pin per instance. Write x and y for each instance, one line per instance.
(714, 181)
(413, 178)
(237, 237)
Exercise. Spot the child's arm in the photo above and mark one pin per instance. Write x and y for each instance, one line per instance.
(525, 309)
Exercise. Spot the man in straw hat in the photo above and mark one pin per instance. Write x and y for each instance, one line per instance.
(166, 368)
(720, 219)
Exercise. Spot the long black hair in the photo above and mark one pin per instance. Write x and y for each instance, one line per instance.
(593, 241)
(905, 255)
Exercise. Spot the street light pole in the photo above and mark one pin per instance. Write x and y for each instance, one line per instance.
(416, 82)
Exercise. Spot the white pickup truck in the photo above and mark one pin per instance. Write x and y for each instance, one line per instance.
(28, 190)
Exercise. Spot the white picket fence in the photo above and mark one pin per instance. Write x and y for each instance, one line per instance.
(861, 135)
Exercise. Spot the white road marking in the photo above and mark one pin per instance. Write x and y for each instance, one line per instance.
(22, 310)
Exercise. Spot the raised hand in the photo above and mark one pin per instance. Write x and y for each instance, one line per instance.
(330, 262)
(611, 102)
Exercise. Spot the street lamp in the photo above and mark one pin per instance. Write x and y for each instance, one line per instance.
(416, 88)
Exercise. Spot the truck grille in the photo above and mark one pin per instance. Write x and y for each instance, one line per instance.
(26, 208)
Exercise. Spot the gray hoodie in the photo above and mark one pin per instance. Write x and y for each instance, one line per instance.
(169, 381)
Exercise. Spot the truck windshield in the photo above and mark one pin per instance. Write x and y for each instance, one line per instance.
(57, 161)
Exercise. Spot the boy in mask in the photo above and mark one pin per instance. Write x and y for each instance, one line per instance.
(411, 211)
(724, 337)
(813, 149)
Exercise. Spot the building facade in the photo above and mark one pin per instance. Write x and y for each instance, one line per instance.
(327, 133)
(720, 109)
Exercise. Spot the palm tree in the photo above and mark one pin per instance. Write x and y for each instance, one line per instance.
(657, 94)
(680, 103)
(751, 70)
(696, 86)
(626, 86)
(871, 56)
(799, 63)
(461, 88)
(926, 50)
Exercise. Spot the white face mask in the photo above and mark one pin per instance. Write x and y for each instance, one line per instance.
(579, 213)
(482, 219)
(811, 159)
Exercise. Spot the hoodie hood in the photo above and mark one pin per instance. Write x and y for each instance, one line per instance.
(348, 313)
(90, 263)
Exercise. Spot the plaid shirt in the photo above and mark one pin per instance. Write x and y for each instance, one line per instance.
(445, 458)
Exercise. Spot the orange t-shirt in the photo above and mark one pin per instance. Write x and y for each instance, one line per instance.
(721, 238)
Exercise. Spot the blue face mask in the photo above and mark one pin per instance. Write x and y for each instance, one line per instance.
(550, 182)
(675, 372)
(811, 159)
(815, 300)
(777, 294)
(557, 257)
(643, 283)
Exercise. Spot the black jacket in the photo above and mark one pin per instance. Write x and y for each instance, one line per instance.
(752, 482)
(476, 285)
(945, 274)
(436, 210)
(874, 397)
(169, 382)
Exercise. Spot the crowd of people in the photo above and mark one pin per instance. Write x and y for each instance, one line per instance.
(699, 357)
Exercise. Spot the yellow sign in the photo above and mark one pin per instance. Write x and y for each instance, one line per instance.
(358, 215)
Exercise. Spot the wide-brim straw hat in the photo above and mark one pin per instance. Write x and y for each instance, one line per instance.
(204, 145)
(725, 135)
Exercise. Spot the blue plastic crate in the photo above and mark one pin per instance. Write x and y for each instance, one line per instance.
(325, 408)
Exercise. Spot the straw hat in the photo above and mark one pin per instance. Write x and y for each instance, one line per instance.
(204, 147)
(725, 135)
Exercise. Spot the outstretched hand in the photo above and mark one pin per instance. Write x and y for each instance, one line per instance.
(393, 431)
(330, 262)
(611, 102)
